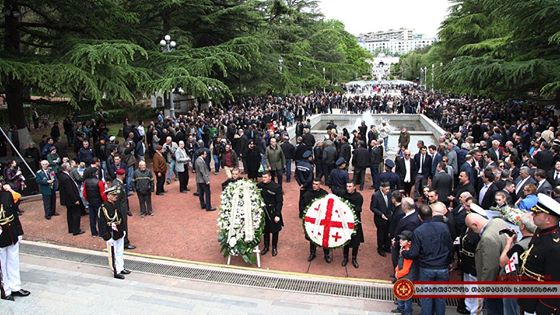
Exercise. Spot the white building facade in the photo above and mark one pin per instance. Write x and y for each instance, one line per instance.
(394, 42)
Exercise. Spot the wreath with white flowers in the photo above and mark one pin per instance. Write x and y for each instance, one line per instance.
(241, 220)
(330, 221)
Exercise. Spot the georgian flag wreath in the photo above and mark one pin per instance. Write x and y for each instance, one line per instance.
(329, 221)
(241, 220)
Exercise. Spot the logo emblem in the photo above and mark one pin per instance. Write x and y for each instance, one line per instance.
(403, 289)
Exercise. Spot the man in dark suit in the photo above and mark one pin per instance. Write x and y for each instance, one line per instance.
(554, 175)
(486, 195)
(523, 180)
(467, 167)
(495, 151)
(442, 183)
(408, 222)
(46, 181)
(406, 169)
(543, 186)
(383, 210)
(436, 158)
(424, 170)
(70, 198)
(545, 157)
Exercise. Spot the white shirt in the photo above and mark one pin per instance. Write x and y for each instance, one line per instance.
(483, 191)
(520, 184)
(407, 168)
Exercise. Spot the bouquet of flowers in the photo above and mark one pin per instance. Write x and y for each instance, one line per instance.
(510, 214)
(329, 221)
(241, 220)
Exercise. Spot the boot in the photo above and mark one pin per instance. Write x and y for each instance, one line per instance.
(312, 252)
(344, 261)
(274, 251)
(264, 251)
(355, 262)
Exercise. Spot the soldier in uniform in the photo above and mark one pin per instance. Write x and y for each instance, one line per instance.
(356, 200)
(540, 261)
(11, 233)
(389, 176)
(111, 229)
(468, 242)
(304, 178)
(338, 178)
(122, 204)
(314, 193)
(273, 198)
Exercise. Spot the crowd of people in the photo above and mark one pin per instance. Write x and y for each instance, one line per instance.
(436, 208)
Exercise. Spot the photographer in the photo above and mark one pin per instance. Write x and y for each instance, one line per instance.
(511, 256)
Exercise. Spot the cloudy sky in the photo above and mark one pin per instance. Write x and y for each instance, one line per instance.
(362, 16)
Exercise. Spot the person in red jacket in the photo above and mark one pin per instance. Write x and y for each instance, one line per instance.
(404, 269)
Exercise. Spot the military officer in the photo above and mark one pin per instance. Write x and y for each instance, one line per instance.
(122, 204)
(273, 199)
(389, 176)
(356, 200)
(338, 178)
(111, 229)
(540, 261)
(310, 195)
(469, 242)
(304, 178)
(11, 233)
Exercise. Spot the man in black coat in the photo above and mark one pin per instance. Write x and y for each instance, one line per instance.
(408, 222)
(304, 178)
(272, 195)
(308, 198)
(361, 162)
(289, 151)
(406, 169)
(545, 157)
(486, 195)
(356, 200)
(442, 183)
(424, 170)
(383, 210)
(70, 198)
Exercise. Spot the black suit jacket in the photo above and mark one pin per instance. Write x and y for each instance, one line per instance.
(426, 167)
(407, 224)
(378, 207)
(550, 177)
(69, 192)
(489, 199)
(545, 160)
(401, 169)
(442, 183)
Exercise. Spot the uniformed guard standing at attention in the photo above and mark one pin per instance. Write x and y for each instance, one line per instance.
(469, 242)
(273, 199)
(309, 196)
(122, 204)
(356, 200)
(304, 178)
(389, 176)
(11, 233)
(338, 178)
(540, 261)
(111, 229)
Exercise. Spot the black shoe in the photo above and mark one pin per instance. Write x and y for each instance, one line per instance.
(264, 251)
(311, 256)
(118, 276)
(56, 214)
(462, 310)
(129, 246)
(211, 209)
(125, 272)
(159, 194)
(81, 232)
(129, 213)
(355, 263)
(397, 311)
(48, 217)
(344, 262)
(274, 251)
(328, 259)
(188, 189)
(9, 298)
(196, 194)
(21, 292)
(381, 253)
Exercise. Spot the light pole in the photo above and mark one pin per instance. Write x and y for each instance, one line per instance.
(300, 78)
(167, 45)
(425, 77)
(421, 73)
(324, 79)
(433, 66)
(440, 72)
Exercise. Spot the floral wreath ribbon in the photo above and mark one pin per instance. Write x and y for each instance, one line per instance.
(246, 211)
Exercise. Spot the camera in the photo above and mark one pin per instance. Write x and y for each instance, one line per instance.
(509, 232)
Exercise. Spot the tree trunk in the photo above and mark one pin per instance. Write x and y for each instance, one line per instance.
(14, 87)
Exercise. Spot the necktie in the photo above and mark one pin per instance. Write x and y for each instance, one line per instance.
(557, 175)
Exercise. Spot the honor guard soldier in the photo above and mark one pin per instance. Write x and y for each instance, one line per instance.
(111, 229)
(356, 200)
(309, 196)
(540, 261)
(468, 242)
(11, 233)
(122, 204)
(271, 193)
(304, 178)
(389, 176)
(338, 178)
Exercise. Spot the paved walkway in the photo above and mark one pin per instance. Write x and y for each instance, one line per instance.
(63, 287)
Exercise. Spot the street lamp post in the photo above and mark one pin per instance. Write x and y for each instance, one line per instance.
(433, 66)
(425, 77)
(300, 78)
(324, 79)
(167, 45)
